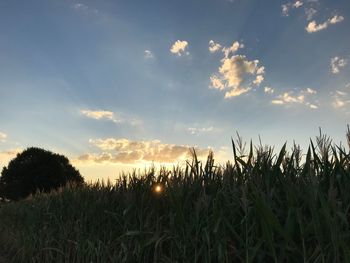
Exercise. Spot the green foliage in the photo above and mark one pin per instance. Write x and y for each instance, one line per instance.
(36, 170)
(264, 207)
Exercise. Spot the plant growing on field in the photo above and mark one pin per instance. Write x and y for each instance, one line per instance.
(264, 206)
(35, 170)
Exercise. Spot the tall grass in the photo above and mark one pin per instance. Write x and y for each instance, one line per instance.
(262, 207)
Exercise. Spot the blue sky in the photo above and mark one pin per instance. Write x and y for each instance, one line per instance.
(119, 84)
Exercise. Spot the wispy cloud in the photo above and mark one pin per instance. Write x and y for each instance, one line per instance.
(100, 114)
(85, 8)
(110, 116)
(196, 130)
(148, 54)
(313, 27)
(338, 63)
(180, 48)
(269, 90)
(214, 47)
(3, 137)
(292, 97)
(310, 12)
(341, 99)
(288, 6)
(117, 151)
(237, 74)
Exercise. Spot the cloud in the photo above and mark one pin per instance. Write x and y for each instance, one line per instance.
(148, 54)
(124, 151)
(214, 47)
(179, 48)
(111, 116)
(313, 27)
(3, 137)
(341, 99)
(99, 114)
(237, 74)
(287, 7)
(85, 8)
(269, 90)
(337, 63)
(310, 13)
(301, 97)
(193, 130)
(232, 49)
(258, 80)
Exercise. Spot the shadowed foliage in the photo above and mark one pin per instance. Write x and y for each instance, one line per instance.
(36, 170)
(265, 206)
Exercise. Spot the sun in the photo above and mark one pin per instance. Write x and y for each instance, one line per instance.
(158, 189)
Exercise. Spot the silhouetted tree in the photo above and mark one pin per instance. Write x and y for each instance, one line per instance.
(35, 170)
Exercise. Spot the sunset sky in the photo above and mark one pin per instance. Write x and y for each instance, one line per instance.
(117, 84)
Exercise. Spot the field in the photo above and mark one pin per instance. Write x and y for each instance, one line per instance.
(262, 207)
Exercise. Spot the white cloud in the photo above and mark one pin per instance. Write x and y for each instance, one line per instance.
(80, 6)
(337, 63)
(258, 80)
(194, 130)
(269, 90)
(236, 74)
(179, 48)
(111, 116)
(313, 27)
(3, 137)
(298, 4)
(85, 9)
(214, 47)
(301, 97)
(99, 114)
(126, 151)
(311, 91)
(341, 99)
(148, 54)
(288, 6)
(232, 49)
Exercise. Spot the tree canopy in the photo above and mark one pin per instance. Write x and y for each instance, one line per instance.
(34, 170)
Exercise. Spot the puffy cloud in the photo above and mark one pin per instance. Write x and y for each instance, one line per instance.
(290, 98)
(179, 48)
(336, 19)
(313, 27)
(214, 47)
(232, 49)
(3, 137)
(236, 74)
(148, 54)
(269, 90)
(287, 7)
(298, 4)
(258, 80)
(193, 130)
(129, 152)
(337, 63)
(99, 114)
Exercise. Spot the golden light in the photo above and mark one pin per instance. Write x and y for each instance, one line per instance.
(158, 188)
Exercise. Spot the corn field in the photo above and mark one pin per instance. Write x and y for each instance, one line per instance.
(263, 206)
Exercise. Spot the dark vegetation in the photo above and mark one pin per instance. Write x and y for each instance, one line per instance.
(262, 207)
(36, 170)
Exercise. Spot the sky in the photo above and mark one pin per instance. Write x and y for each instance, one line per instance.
(120, 84)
